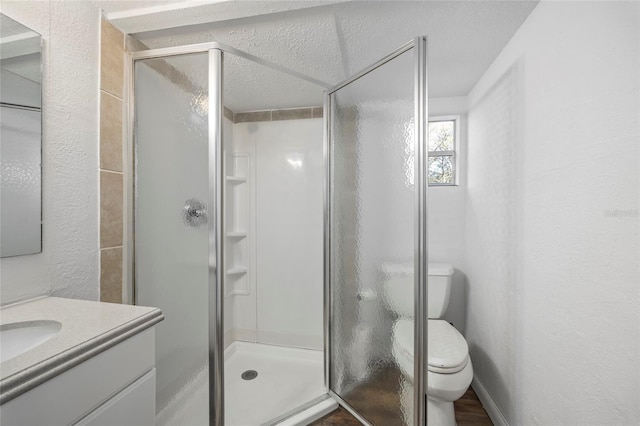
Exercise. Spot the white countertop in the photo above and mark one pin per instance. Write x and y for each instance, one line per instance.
(88, 328)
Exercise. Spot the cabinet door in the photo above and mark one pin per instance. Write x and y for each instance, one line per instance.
(84, 388)
(135, 405)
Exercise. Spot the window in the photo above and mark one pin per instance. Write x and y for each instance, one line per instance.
(443, 138)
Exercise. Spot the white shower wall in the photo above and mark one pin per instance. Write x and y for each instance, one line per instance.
(284, 235)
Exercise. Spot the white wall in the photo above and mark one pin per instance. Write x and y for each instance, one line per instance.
(552, 219)
(69, 263)
(446, 214)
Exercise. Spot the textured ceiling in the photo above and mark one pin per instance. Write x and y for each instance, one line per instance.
(116, 6)
(251, 87)
(330, 43)
(139, 16)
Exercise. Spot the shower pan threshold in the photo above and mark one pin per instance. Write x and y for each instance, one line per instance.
(287, 379)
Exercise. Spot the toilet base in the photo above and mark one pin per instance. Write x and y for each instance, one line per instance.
(440, 413)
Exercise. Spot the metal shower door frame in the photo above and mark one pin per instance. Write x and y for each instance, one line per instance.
(215, 223)
(419, 44)
(216, 178)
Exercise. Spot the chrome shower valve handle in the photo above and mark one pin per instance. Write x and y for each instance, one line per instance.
(194, 213)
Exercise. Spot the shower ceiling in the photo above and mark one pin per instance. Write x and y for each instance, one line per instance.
(331, 42)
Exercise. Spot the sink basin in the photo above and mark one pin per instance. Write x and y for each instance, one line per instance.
(19, 337)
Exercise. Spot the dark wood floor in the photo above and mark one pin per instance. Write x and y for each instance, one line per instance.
(340, 417)
(469, 412)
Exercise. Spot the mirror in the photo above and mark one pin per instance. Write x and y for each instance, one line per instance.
(20, 139)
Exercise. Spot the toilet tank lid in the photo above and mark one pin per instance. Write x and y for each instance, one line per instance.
(399, 268)
(440, 269)
(434, 269)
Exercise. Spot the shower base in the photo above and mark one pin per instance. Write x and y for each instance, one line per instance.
(287, 379)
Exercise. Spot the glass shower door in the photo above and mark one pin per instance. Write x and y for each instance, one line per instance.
(376, 247)
(172, 239)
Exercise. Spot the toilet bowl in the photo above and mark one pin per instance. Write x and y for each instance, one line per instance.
(449, 369)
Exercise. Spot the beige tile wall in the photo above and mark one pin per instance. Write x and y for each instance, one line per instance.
(111, 162)
(273, 114)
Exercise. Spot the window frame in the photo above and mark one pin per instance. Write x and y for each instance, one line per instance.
(452, 153)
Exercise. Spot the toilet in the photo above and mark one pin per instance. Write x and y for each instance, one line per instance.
(449, 371)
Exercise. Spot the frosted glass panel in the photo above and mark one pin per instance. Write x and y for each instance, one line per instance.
(372, 243)
(171, 250)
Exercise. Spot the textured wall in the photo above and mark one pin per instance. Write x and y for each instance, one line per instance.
(552, 219)
(446, 213)
(490, 237)
(68, 264)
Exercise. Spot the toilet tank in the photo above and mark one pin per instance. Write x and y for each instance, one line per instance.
(398, 283)
(439, 289)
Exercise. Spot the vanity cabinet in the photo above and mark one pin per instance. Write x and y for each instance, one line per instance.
(115, 387)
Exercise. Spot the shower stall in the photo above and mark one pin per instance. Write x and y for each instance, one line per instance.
(261, 225)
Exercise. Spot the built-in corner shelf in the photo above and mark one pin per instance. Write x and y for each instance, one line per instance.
(236, 179)
(238, 225)
(237, 271)
(238, 235)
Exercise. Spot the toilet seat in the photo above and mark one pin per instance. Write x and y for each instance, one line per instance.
(448, 351)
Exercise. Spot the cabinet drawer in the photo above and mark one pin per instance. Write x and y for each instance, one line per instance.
(134, 406)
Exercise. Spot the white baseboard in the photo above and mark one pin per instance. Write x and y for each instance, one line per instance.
(493, 411)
